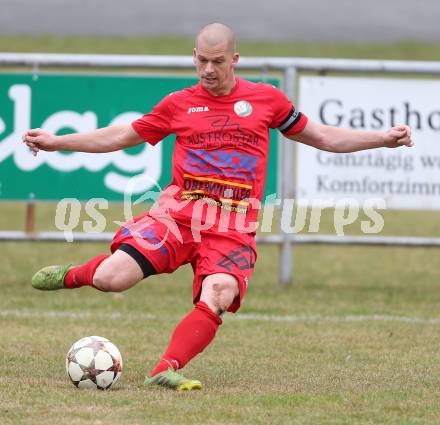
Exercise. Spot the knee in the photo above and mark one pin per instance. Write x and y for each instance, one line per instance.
(117, 273)
(223, 294)
(107, 280)
(219, 291)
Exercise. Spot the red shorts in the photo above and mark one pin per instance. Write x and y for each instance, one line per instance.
(169, 243)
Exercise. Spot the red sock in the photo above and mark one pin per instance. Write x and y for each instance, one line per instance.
(191, 336)
(82, 275)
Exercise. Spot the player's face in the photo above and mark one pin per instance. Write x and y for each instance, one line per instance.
(215, 66)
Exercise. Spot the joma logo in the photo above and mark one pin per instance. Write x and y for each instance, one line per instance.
(198, 109)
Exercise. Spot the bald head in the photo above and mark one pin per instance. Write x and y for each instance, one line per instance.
(215, 58)
(215, 34)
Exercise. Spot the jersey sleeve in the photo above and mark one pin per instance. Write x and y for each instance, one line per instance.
(156, 125)
(285, 117)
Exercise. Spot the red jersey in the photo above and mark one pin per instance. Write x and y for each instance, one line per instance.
(222, 143)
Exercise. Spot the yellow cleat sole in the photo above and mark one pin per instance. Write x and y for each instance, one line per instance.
(189, 386)
(173, 380)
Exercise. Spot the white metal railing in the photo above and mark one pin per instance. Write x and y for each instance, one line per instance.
(186, 62)
(290, 68)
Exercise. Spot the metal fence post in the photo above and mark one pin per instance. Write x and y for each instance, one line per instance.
(287, 186)
(286, 172)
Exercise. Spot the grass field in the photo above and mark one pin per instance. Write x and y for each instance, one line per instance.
(183, 46)
(353, 341)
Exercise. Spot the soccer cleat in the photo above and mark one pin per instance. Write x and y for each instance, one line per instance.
(50, 278)
(171, 379)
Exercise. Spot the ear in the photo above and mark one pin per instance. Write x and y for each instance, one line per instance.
(194, 56)
(235, 58)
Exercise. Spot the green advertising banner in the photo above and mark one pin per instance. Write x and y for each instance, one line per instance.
(66, 103)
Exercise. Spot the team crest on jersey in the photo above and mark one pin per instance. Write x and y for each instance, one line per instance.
(243, 108)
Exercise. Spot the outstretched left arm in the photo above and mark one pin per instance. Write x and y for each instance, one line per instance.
(342, 140)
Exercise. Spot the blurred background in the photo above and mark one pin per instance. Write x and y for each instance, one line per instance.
(312, 20)
(391, 29)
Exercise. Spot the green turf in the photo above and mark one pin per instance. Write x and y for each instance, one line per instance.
(321, 367)
(183, 46)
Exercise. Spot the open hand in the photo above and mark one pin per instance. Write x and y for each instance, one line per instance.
(37, 139)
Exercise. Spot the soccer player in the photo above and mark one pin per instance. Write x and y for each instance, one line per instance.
(205, 216)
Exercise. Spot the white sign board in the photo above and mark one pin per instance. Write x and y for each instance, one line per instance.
(406, 178)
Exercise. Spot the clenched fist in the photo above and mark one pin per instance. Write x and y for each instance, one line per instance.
(398, 136)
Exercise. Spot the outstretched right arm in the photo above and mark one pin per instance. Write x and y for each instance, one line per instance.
(107, 139)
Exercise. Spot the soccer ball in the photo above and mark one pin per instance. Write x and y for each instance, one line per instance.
(93, 362)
